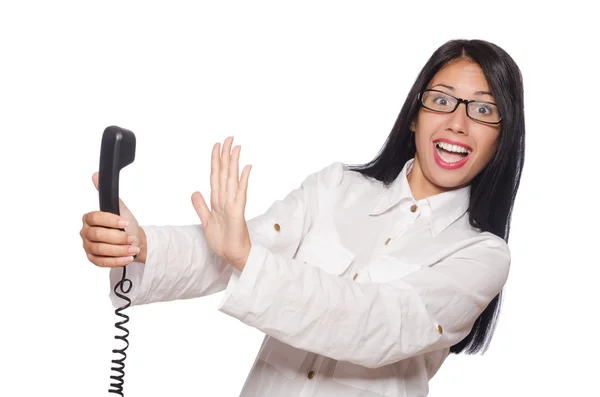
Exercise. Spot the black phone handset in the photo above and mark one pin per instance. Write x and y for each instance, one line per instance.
(117, 151)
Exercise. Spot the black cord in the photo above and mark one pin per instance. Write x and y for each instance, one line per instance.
(117, 387)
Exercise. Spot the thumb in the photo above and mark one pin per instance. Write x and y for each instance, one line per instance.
(95, 179)
(201, 208)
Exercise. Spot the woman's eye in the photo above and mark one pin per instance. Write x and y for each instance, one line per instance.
(441, 101)
(483, 109)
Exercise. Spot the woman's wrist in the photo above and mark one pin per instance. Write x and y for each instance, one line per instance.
(141, 256)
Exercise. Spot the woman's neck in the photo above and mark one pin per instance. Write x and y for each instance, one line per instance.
(420, 186)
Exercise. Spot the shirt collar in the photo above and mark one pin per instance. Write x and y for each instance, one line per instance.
(443, 208)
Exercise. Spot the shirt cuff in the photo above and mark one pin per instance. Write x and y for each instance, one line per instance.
(237, 300)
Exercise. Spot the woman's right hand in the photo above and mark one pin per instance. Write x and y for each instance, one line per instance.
(106, 245)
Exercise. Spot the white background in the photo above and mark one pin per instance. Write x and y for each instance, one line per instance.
(300, 85)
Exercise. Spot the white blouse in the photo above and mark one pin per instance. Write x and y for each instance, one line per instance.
(360, 289)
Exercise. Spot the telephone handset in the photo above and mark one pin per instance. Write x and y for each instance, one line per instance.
(117, 151)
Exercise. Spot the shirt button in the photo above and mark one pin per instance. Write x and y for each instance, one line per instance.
(388, 240)
(277, 227)
(439, 329)
(311, 374)
(413, 208)
(354, 278)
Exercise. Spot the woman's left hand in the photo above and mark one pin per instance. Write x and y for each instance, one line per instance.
(224, 224)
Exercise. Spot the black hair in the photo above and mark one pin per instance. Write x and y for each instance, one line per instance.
(494, 189)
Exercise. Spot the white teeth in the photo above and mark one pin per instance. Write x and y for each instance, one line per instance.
(439, 151)
(452, 148)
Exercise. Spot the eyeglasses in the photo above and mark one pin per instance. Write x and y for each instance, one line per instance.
(439, 101)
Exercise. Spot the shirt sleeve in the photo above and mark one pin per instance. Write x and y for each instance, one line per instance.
(371, 324)
(180, 265)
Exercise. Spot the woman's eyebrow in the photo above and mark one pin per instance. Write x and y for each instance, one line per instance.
(452, 89)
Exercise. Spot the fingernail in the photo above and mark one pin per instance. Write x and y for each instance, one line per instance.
(130, 239)
(134, 250)
(123, 223)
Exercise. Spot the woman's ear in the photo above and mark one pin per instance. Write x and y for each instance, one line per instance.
(413, 126)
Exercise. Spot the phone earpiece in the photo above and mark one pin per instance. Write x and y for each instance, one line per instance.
(117, 151)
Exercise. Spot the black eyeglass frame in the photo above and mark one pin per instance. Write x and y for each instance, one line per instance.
(458, 102)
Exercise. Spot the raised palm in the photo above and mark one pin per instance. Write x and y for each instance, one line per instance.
(224, 223)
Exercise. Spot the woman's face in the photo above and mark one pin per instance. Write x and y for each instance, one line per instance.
(440, 137)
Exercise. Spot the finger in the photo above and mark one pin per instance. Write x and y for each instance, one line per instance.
(102, 261)
(105, 219)
(243, 186)
(95, 177)
(106, 235)
(110, 250)
(232, 179)
(201, 208)
(225, 154)
(214, 176)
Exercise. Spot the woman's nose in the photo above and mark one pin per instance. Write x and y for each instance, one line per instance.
(457, 122)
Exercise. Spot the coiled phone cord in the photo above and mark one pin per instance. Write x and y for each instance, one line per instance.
(125, 286)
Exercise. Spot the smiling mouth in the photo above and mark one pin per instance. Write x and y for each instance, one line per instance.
(451, 153)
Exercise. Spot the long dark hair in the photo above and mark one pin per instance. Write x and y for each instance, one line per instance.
(494, 189)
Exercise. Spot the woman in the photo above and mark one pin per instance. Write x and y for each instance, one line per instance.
(364, 278)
